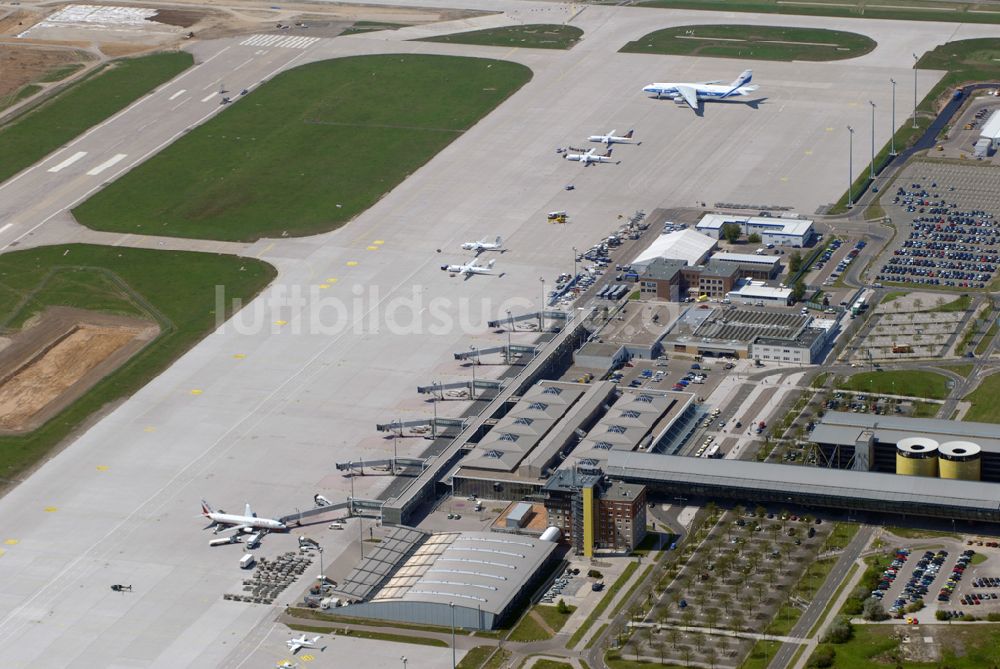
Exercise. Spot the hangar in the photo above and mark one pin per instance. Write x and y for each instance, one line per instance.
(470, 580)
(686, 245)
(759, 482)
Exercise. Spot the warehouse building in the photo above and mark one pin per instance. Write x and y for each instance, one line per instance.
(795, 232)
(766, 483)
(685, 245)
(472, 580)
(924, 447)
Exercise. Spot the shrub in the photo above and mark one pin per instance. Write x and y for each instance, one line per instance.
(562, 607)
(873, 610)
(840, 631)
(824, 656)
(915, 606)
(593, 573)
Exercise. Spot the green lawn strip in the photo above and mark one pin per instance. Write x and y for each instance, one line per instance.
(829, 605)
(529, 629)
(533, 36)
(784, 620)
(813, 578)
(499, 659)
(603, 604)
(925, 409)
(984, 343)
(475, 657)
(176, 288)
(377, 636)
(960, 303)
(371, 26)
(979, 558)
(910, 382)
(961, 370)
(820, 380)
(756, 42)
(553, 617)
(962, 647)
(985, 408)
(596, 635)
(60, 73)
(889, 297)
(899, 11)
(635, 586)
(307, 151)
(38, 132)
(918, 533)
(840, 537)
(761, 654)
(545, 663)
(315, 614)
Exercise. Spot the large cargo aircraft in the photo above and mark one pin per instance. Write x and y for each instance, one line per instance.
(706, 90)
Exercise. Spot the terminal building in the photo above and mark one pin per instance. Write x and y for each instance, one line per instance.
(594, 513)
(924, 447)
(474, 580)
(766, 483)
(676, 281)
(795, 232)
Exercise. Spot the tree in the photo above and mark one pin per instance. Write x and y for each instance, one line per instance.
(712, 618)
(673, 635)
(660, 647)
(753, 238)
(840, 631)
(732, 232)
(798, 290)
(823, 657)
(795, 262)
(872, 609)
(562, 607)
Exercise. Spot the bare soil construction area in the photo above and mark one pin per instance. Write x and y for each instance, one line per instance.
(23, 65)
(58, 356)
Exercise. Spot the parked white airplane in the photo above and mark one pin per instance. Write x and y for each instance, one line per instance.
(589, 157)
(483, 245)
(610, 138)
(231, 522)
(296, 644)
(472, 267)
(706, 90)
(288, 665)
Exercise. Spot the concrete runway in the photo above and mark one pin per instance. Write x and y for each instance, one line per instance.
(261, 409)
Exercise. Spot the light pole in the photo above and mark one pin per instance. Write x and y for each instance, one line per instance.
(574, 262)
(850, 168)
(915, 59)
(871, 173)
(395, 453)
(321, 576)
(509, 358)
(472, 390)
(541, 313)
(451, 605)
(892, 120)
(404, 661)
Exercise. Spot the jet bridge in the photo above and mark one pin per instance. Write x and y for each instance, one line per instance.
(509, 352)
(439, 388)
(359, 466)
(533, 316)
(433, 423)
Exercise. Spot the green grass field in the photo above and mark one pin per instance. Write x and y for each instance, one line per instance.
(534, 36)
(914, 383)
(962, 647)
(902, 10)
(756, 42)
(40, 131)
(528, 629)
(22, 93)
(371, 26)
(306, 152)
(985, 408)
(175, 288)
(960, 303)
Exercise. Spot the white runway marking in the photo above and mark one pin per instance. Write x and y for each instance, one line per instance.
(69, 161)
(208, 97)
(106, 164)
(177, 94)
(286, 42)
(4, 228)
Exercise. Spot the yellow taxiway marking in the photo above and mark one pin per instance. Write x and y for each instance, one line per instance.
(102, 468)
(2, 551)
(281, 322)
(12, 542)
(784, 178)
(352, 263)
(332, 279)
(195, 391)
(829, 129)
(307, 658)
(239, 356)
(809, 152)
(149, 428)
(324, 286)
(265, 249)
(373, 248)
(50, 509)
(378, 242)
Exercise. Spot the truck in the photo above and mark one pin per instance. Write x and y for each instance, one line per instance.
(247, 561)
(982, 148)
(234, 539)
(329, 603)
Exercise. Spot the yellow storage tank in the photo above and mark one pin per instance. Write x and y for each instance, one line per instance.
(917, 456)
(960, 460)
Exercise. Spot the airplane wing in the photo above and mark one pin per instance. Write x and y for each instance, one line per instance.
(234, 528)
(610, 134)
(294, 648)
(710, 83)
(690, 95)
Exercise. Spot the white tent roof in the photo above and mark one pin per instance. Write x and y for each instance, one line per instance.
(686, 245)
(991, 128)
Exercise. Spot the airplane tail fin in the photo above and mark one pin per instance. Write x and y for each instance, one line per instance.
(608, 154)
(206, 508)
(247, 511)
(499, 241)
(742, 80)
(628, 135)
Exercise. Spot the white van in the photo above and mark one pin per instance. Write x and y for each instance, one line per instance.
(247, 561)
(336, 525)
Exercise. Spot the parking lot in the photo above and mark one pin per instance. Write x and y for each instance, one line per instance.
(949, 235)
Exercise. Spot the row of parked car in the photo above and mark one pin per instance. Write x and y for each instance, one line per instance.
(899, 558)
(956, 575)
(558, 585)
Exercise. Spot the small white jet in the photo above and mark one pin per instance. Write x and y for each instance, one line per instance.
(288, 665)
(483, 245)
(706, 90)
(296, 644)
(610, 138)
(590, 157)
(470, 268)
(232, 522)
